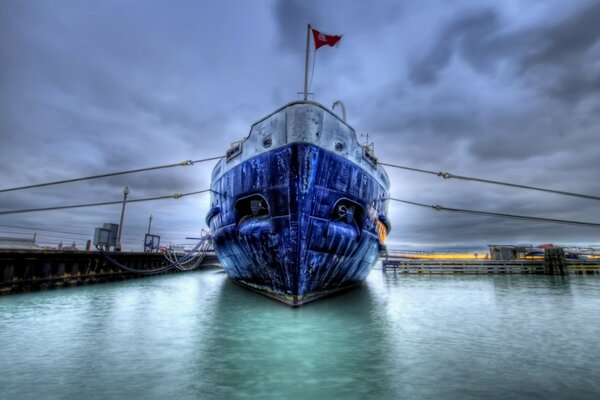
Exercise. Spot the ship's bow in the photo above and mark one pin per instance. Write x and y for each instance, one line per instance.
(297, 213)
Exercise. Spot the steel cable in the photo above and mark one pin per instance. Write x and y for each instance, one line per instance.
(194, 256)
(165, 268)
(408, 168)
(104, 203)
(131, 171)
(438, 207)
(448, 175)
(45, 230)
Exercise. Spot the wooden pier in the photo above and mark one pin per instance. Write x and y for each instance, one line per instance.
(31, 270)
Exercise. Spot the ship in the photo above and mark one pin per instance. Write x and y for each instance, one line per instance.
(298, 207)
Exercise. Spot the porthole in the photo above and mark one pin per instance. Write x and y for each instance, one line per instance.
(267, 142)
(339, 146)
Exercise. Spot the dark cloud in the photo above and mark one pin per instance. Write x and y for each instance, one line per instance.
(474, 88)
(352, 18)
(557, 57)
(467, 34)
(292, 17)
(566, 41)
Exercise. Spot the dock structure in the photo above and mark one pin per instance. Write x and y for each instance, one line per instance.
(555, 264)
(32, 270)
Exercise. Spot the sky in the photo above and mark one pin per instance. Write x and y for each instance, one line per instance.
(506, 91)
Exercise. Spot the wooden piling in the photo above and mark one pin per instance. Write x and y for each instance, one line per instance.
(555, 262)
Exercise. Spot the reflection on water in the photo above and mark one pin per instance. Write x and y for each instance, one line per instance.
(198, 335)
(323, 350)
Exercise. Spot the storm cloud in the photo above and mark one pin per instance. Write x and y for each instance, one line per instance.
(501, 91)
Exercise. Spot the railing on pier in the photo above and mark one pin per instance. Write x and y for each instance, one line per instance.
(463, 267)
(399, 264)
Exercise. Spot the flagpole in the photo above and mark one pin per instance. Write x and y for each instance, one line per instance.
(306, 62)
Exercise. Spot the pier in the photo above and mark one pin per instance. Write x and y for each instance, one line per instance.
(32, 270)
(552, 264)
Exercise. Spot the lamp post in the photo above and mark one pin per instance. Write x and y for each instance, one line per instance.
(125, 193)
(149, 223)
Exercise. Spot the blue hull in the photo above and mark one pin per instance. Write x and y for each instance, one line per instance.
(297, 223)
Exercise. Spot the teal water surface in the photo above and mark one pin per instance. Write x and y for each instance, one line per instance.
(199, 336)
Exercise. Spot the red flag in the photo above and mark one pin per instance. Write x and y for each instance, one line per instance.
(322, 39)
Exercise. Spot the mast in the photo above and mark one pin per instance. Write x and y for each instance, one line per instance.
(306, 62)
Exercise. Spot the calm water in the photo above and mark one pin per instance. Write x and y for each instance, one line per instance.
(199, 336)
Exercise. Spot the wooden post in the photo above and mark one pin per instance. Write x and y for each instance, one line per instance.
(555, 262)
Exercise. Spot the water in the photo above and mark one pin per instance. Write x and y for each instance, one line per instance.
(198, 336)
